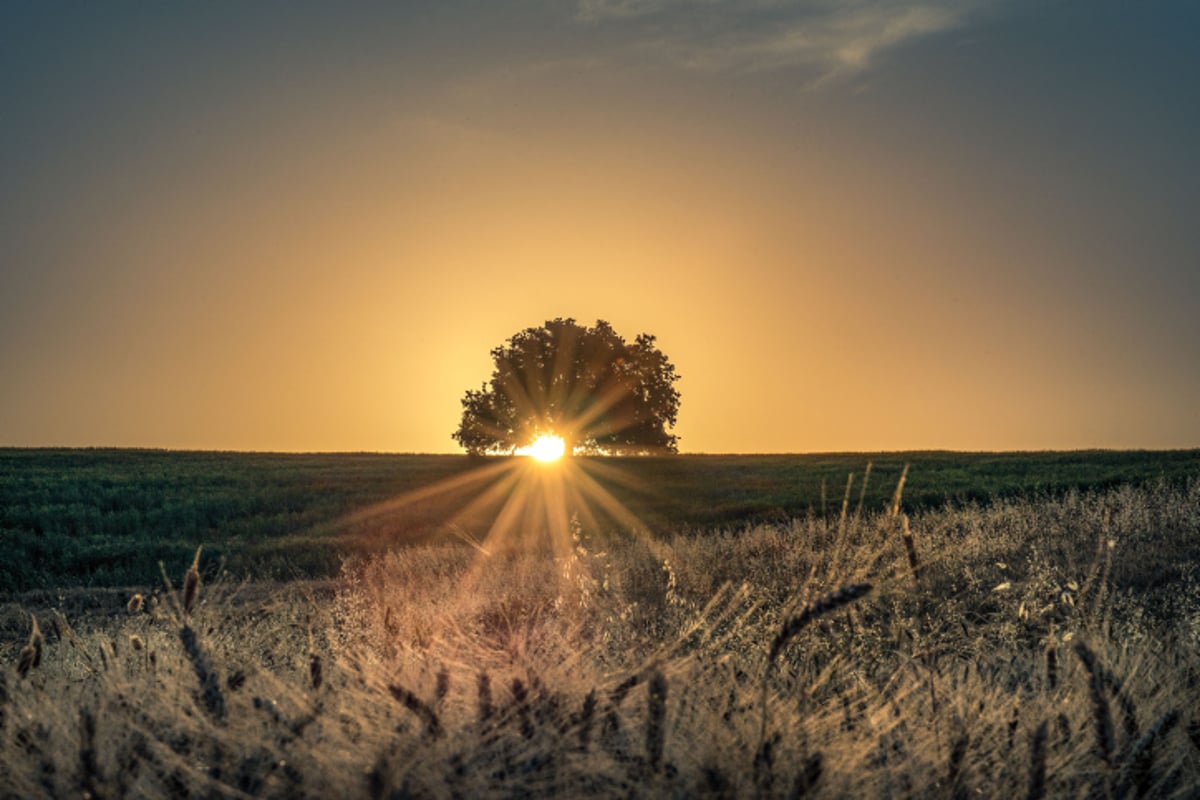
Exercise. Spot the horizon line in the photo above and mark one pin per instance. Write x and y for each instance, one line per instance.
(884, 452)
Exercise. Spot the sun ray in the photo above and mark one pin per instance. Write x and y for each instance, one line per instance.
(591, 491)
(504, 486)
(556, 512)
(516, 505)
(498, 538)
(535, 515)
(458, 482)
(587, 517)
(602, 468)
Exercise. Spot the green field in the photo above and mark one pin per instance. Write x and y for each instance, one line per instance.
(98, 518)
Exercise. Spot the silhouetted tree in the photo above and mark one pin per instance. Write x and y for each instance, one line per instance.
(598, 392)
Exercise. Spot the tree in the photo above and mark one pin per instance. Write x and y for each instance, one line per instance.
(598, 392)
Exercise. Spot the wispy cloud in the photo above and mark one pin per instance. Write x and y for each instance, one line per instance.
(597, 10)
(830, 37)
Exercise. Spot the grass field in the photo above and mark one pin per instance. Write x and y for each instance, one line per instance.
(99, 518)
(1045, 647)
(915, 640)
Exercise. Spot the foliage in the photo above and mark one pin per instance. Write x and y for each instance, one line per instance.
(586, 385)
(1030, 655)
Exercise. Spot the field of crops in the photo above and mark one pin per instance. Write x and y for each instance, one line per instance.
(1028, 646)
(97, 518)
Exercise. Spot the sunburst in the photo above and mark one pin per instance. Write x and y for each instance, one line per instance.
(547, 447)
(507, 505)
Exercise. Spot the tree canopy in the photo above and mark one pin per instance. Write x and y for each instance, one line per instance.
(589, 386)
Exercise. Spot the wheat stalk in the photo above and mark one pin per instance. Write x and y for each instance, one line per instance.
(910, 548)
(191, 584)
(521, 701)
(1101, 711)
(862, 494)
(764, 765)
(845, 504)
(441, 686)
(30, 656)
(586, 718)
(3, 700)
(1052, 663)
(89, 769)
(612, 722)
(899, 491)
(820, 607)
(1014, 722)
(824, 605)
(656, 713)
(483, 686)
(1037, 763)
(958, 753)
(210, 682)
(806, 780)
(315, 668)
(1136, 773)
(1193, 732)
(423, 711)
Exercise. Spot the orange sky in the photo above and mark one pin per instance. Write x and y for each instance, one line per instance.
(309, 238)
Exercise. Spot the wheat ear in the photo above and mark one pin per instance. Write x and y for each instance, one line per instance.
(483, 688)
(30, 656)
(1037, 764)
(910, 548)
(656, 715)
(1137, 772)
(824, 605)
(424, 712)
(315, 670)
(191, 584)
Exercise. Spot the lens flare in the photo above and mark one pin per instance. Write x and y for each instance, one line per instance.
(547, 448)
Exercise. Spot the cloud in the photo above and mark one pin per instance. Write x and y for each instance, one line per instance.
(829, 37)
(598, 10)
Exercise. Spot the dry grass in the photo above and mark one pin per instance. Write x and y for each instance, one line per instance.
(1046, 649)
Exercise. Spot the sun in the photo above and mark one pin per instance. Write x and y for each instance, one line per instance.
(548, 447)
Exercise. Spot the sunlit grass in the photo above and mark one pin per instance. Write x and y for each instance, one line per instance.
(1012, 656)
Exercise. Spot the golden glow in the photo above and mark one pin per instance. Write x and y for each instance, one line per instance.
(547, 447)
(513, 505)
(669, 225)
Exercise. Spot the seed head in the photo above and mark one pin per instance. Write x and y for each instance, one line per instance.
(191, 584)
(824, 605)
(314, 669)
(31, 654)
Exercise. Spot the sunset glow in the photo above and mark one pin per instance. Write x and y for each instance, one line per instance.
(547, 447)
(878, 225)
(512, 504)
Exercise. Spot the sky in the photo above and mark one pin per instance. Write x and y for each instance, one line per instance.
(853, 226)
